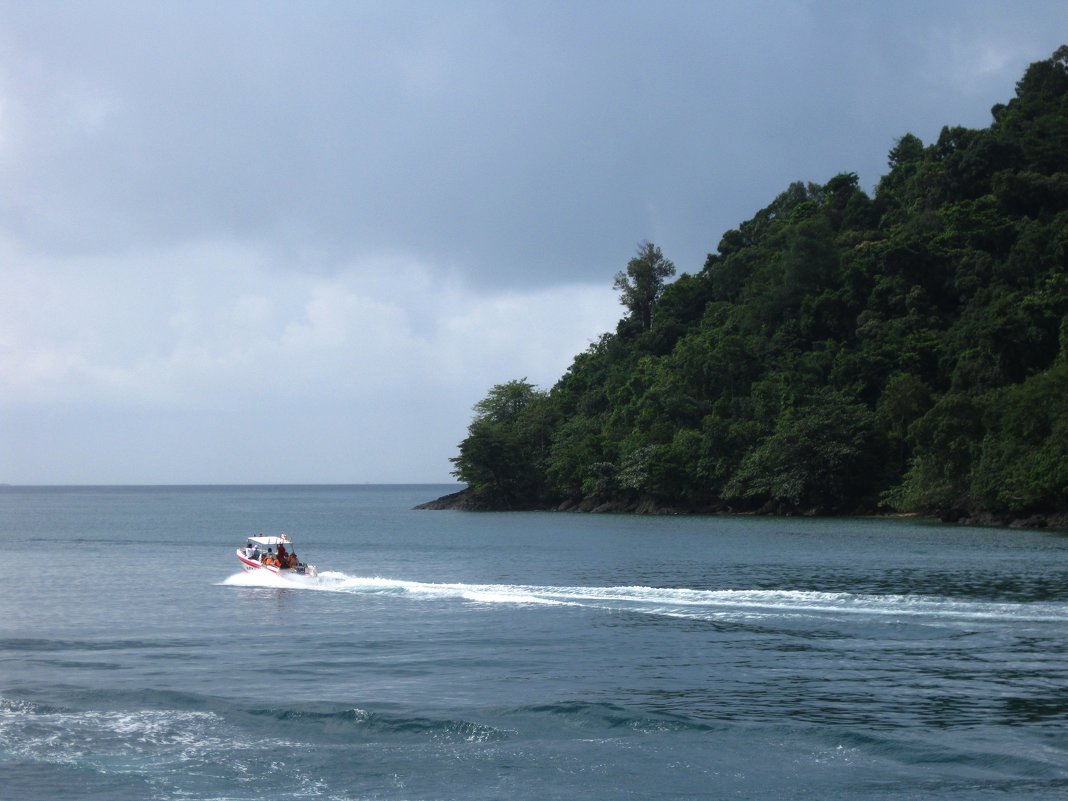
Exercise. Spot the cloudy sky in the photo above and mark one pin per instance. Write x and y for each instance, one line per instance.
(258, 242)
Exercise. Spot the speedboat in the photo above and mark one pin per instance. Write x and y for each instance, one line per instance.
(275, 555)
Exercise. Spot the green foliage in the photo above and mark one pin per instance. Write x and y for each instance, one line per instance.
(816, 458)
(504, 456)
(1023, 462)
(642, 282)
(946, 444)
(506, 402)
(836, 349)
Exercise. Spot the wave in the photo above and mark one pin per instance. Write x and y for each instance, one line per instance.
(127, 738)
(164, 724)
(150, 753)
(699, 604)
(349, 723)
(42, 645)
(606, 716)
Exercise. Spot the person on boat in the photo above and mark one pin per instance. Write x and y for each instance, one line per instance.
(250, 550)
(283, 557)
(267, 557)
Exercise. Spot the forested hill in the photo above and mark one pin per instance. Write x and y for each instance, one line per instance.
(838, 353)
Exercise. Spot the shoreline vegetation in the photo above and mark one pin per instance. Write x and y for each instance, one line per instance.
(838, 354)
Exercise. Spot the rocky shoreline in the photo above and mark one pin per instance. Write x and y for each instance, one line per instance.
(467, 501)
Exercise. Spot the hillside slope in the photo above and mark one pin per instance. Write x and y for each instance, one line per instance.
(839, 352)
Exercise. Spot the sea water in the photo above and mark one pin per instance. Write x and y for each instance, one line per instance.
(450, 655)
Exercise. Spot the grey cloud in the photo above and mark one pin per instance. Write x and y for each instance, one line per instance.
(520, 144)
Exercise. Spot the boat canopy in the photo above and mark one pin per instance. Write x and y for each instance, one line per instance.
(271, 542)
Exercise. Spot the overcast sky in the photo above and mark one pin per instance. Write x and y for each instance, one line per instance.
(256, 242)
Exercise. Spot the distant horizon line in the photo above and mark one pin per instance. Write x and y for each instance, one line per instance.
(200, 485)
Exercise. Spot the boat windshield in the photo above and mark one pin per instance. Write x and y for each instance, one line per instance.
(271, 542)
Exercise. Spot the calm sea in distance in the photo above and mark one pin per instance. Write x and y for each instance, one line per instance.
(535, 656)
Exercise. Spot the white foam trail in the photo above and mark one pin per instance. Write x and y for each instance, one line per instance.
(265, 578)
(686, 603)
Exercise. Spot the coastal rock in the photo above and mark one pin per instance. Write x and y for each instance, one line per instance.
(464, 500)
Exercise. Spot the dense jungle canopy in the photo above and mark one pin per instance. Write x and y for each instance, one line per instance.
(838, 353)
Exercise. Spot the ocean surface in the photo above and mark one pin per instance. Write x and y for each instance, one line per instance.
(450, 655)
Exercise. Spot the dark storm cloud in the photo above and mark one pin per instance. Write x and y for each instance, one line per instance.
(513, 143)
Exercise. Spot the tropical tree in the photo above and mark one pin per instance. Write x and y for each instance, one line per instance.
(642, 282)
(504, 456)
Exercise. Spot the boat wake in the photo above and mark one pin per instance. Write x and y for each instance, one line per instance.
(693, 604)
